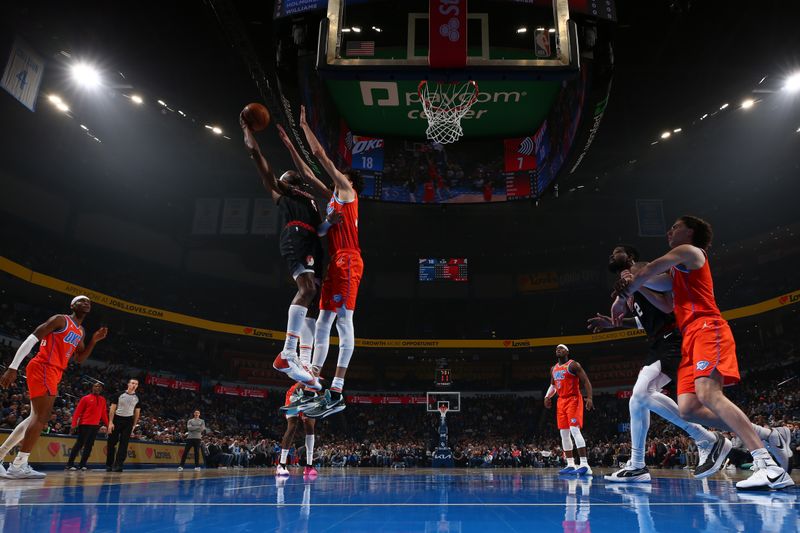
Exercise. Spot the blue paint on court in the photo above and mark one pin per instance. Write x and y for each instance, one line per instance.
(352, 501)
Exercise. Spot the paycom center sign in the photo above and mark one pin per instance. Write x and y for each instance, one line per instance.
(394, 109)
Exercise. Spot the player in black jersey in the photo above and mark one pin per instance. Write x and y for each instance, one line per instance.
(301, 248)
(651, 311)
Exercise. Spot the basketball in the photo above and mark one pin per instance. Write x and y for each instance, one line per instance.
(257, 116)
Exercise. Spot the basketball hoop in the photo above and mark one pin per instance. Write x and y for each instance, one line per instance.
(445, 104)
(443, 408)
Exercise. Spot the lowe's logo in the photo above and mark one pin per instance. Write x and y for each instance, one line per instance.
(367, 145)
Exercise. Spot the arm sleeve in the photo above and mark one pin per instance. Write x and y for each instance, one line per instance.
(551, 391)
(23, 351)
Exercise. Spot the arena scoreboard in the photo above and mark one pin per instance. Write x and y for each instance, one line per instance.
(436, 269)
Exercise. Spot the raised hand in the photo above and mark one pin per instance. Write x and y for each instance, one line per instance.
(599, 322)
(100, 334)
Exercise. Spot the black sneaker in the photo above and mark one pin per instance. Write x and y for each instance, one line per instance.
(325, 405)
(108, 469)
(299, 406)
(712, 456)
(117, 469)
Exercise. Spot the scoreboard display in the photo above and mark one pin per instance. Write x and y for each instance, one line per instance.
(454, 269)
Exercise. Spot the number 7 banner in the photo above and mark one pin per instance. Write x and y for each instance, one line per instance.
(520, 154)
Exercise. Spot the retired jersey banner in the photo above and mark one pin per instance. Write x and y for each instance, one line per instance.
(367, 154)
(447, 33)
(23, 74)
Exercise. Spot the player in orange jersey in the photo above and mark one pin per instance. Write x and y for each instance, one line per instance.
(292, 421)
(345, 269)
(59, 339)
(708, 351)
(566, 378)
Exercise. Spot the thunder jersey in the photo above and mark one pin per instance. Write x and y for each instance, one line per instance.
(57, 347)
(566, 382)
(693, 294)
(344, 235)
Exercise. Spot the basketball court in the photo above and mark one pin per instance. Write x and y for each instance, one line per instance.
(366, 499)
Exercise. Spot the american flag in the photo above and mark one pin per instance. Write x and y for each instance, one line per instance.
(360, 48)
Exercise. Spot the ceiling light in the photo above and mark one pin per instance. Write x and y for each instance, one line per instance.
(162, 102)
(522, 29)
(54, 99)
(704, 116)
(747, 104)
(136, 99)
(666, 135)
(217, 130)
(677, 130)
(84, 128)
(61, 106)
(86, 75)
(792, 83)
(345, 30)
(377, 29)
(356, 29)
(723, 106)
(181, 113)
(552, 30)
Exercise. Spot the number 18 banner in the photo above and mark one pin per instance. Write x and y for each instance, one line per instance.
(520, 154)
(367, 153)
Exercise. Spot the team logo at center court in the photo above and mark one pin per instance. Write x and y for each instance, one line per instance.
(310, 260)
(702, 365)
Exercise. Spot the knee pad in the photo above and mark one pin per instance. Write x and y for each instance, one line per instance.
(566, 442)
(576, 434)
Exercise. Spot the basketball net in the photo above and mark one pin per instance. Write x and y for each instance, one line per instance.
(443, 410)
(444, 105)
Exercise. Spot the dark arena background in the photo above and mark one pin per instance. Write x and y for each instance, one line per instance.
(561, 129)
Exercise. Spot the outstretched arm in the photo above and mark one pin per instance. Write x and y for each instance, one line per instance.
(305, 171)
(690, 256)
(342, 185)
(662, 300)
(264, 170)
(55, 322)
(577, 369)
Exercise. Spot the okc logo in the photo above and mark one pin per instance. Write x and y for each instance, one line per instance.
(337, 298)
(558, 374)
(702, 365)
(573, 420)
(72, 338)
(450, 30)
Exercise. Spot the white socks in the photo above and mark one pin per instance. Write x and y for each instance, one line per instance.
(297, 316)
(21, 459)
(307, 339)
(284, 456)
(310, 450)
(337, 385)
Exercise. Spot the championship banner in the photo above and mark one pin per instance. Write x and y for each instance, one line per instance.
(447, 33)
(235, 212)
(42, 280)
(54, 450)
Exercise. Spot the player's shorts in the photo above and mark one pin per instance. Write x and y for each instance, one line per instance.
(667, 349)
(292, 395)
(42, 379)
(302, 250)
(569, 411)
(341, 281)
(708, 345)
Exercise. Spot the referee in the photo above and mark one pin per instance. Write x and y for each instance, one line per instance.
(122, 418)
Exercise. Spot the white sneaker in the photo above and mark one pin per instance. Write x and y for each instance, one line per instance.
(197, 468)
(583, 470)
(180, 469)
(281, 471)
(779, 445)
(23, 472)
(630, 474)
(768, 476)
(290, 364)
